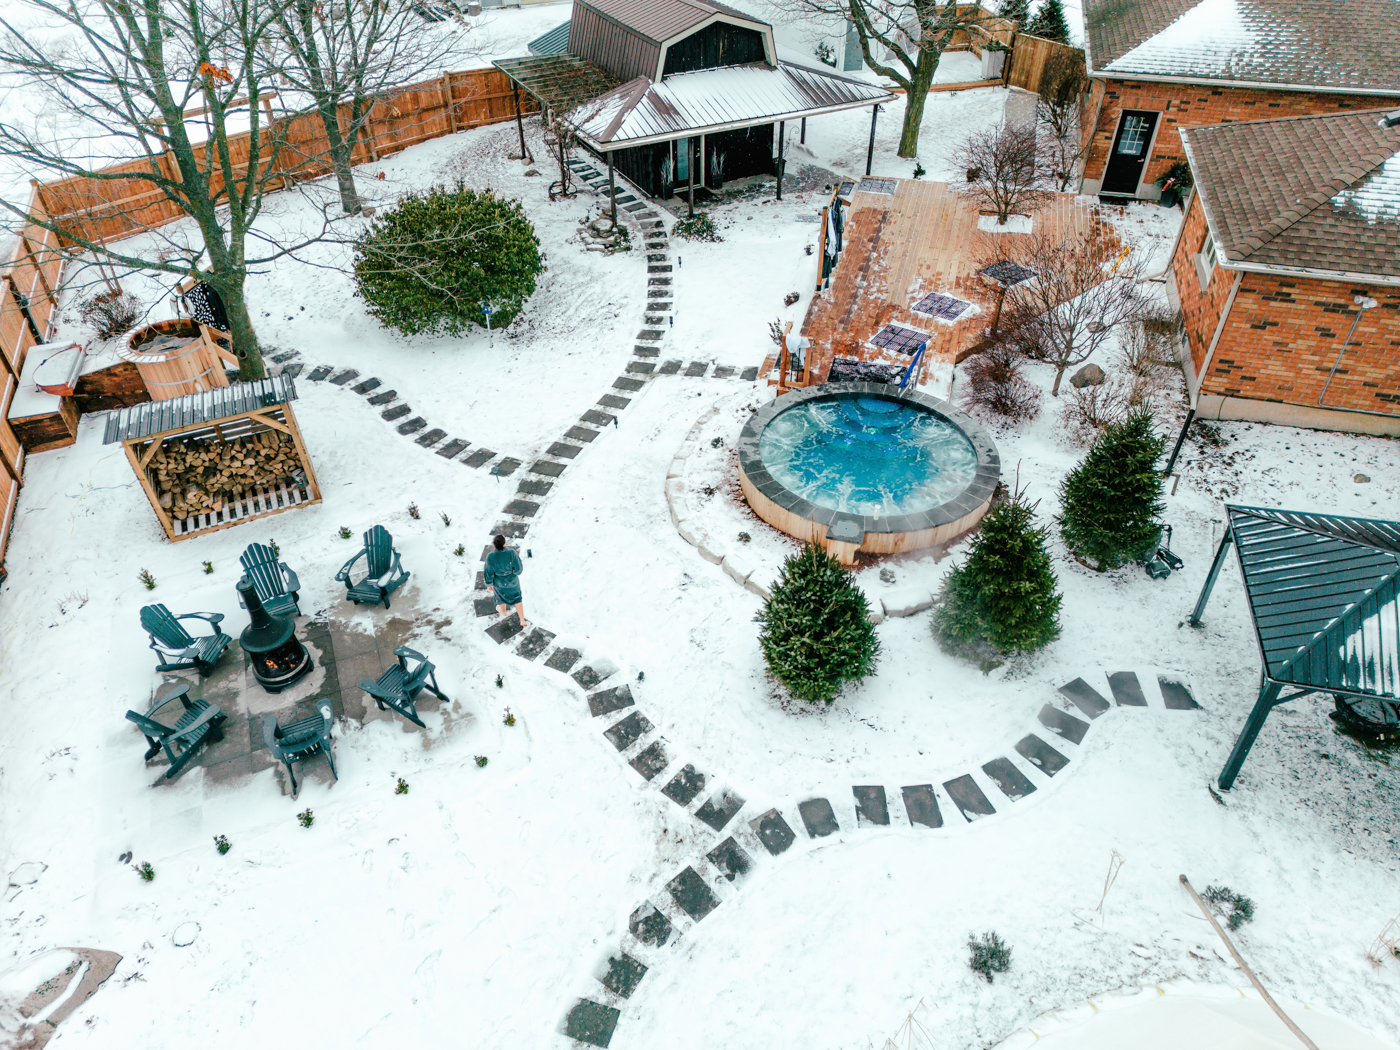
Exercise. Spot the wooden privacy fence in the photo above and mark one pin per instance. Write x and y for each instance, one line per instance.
(107, 208)
(1031, 56)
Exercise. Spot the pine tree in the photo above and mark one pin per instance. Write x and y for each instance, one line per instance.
(1110, 500)
(1003, 599)
(1016, 12)
(1049, 22)
(817, 632)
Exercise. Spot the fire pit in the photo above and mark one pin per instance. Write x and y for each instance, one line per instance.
(278, 658)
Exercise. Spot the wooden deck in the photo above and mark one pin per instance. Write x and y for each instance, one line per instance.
(898, 248)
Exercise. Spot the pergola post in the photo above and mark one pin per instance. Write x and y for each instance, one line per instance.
(1268, 699)
(870, 153)
(1195, 618)
(612, 188)
(781, 125)
(802, 140)
(519, 120)
(690, 176)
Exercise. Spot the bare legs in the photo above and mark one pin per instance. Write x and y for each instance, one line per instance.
(504, 610)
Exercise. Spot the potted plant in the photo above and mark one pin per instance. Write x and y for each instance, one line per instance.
(1174, 183)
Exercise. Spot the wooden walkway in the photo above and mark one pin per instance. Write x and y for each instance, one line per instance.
(897, 249)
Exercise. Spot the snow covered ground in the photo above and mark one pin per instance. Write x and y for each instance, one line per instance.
(483, 903)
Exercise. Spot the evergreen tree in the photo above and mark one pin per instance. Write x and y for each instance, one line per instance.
(1002, 599)
(1049, 22)
(1016, 12)
(817, 632)
(1110, 500)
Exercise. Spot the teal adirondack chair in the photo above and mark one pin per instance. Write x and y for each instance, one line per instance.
(176, 649)
(276, 584)
(299, 740)
(200, 723)
(384, 574)
(399, 687)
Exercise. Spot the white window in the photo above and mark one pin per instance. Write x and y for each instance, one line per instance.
(1133, 141)
(1206, 261)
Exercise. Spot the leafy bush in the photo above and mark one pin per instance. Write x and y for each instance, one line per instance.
(825, 53)
(145, 870)
(699, 227)
(222, 844)
(990, 954)
(1111, 499)
(1003, 598)
(1235, 909)
(996, 384)
(110, 313)
(307, 818)
(430, 263)
(817, 633)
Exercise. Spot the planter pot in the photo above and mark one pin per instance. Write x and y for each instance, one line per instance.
(1170, 197)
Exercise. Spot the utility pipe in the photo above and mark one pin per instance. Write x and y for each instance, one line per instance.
(1365, 303)
(870, 153)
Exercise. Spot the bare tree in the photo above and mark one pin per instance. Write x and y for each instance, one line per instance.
(1002, 169)
(1062, 91)
(118, 77)
(1085, 287)
(913, 33)
(353, 53)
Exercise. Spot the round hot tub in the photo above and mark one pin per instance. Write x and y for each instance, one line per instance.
(856, 466)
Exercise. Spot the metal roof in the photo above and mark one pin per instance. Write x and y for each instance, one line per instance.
(685, 104)
(560, 82)
(555, 42)
(660, 20)
(177, 413)
(1324, 591)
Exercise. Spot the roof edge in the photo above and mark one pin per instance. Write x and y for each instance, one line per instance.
(1257, 85)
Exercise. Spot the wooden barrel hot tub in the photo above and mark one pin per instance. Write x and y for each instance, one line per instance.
(178, 357)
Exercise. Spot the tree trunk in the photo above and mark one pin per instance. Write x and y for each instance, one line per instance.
(339, 151)
(914, 101)
(1059, 374)
(240, 322)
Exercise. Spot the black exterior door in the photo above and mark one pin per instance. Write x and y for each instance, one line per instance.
(1129, 154)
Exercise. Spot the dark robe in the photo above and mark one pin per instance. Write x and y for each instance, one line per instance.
(502, 572)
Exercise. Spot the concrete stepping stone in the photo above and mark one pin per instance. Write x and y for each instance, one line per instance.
(481, 581)
(319, 373)
(1085, 697)
(723, 371)
(586, 677)
(345, 377)
(670, 368)
(591, 1023)
(653, 245)
(432, 437)
(685, 785)
(640, 367)
(628, 731)
(921, 806)
(818, 817)
(749, 374)
(659, 282)
(731, 859)
(651, 760)
(531, 487)
(397, 412)
(479, 457)
(968, 797)
(719, 809)
(1012, 781)
(659, 268)
(522, 508)
(293, 370)
(773, 831)
(485, 606)
(651, 256)
(414, 425)
(1175, 695)
(623, 383)
(650, 335)
(1040, 754)
(606, 701)
(1066, 725)
(548, 469)
(649, 925)
(285, 356)
(597, 418)
(563, 451)
(634, 208)
(505, 630)
(535, 643)
(510, 529)
(627, 199)
(624, 974)
(506, 467)
(562, 659)
(580, 434)
(871, 807)
(365, 387)
(450, 450)
(691, 894)
(613, 401)
(1127, 691)
(646, 351)
(663, 307)
(383, 398)
(648, 215)
(697, 368)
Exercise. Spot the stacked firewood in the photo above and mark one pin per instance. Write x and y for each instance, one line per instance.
(197, 477)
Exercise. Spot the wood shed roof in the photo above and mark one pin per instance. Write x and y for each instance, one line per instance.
(560, 82)
(178, 413)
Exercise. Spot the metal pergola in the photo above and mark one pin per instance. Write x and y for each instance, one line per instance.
(1324, 593)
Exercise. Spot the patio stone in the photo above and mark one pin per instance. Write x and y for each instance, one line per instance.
(345, 377)
(773, 831)
(1127, 692)
(921, 806)
(293, 369)
(522, 508)
(366, 386)
(719, 809)
(685, 785)
(1005, 775)
(968, 797)
(605, 701)
(628, 731)
(649, 925)
(580, 434)
(450, 450)
(506, 467)
(1175, 695)
(1066, 725)
(623, 383)
(319, 373)
(1040, 754)
(670, 368)
(548, 469)
(691, 894)
(613, 401)
(397, 412)
(383, 398)
(651, 760)
(536, 642)
(563, 451)
(414, 425)
(1085, 697)
(562, 659)
(818, 817)
(586, 677)
(646, 351)
(531, 487)
(431, 438)
(485, 606)
(640, 367)
(871, 807)
(510, 529)
(723, 371)
(624, 974)
(591, 1023)
(505, 630)
(477, 458)
(696, 368)
(749, 374)
(731, 859)
(601, 419)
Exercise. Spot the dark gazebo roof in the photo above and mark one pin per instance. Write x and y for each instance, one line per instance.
(1324, 591)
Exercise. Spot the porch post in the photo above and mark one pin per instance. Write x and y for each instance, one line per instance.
(870, 153)
(781, 125)
(803, 139)
(612, 190)
(690, 176)
(519, 121)
(1268, 698)
(1195, 618)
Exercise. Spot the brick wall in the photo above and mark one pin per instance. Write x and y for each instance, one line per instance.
(1200, 307)
(1192, 105)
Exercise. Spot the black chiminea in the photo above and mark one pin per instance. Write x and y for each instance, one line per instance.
(278, 658)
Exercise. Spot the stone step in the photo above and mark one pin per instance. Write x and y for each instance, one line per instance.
(536, 642)
(685, 785)
(773, 831)
(366, 386)
(1013, 783)
(511, 530)
(871, 806)
(968, 797)
(601, 419)
(548, 469)
(623, 383)
(562, 659)
(670, 368)
(659, 268)
(531, 487)
(505, 630)
(521, 508)
(640, 367)
(1175, 695)
(383, 398)
(659, 282)
(646, 351)
(719, 809)
(1040, 754)
(292, 370)
(344, 377)
(921, 806)
(650, 335)
(624, 975)
(479, 458)
(1065, 725)
(723, 371)
(696, 368)
(692, 895)
(450, 450)
(506, 467)
(659, 306)
(731, 859)
(591, 1023)
(651, 760)
(397, 412)
(431, 438)
(580, 434)
(606, 701)
(1085, 697)
(414, 425)
(562, 450)
(656, 257)
(613, 401)
(1127, 691)
(818, 817)
(318, 373)
(749, 374)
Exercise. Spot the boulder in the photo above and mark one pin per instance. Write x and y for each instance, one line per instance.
(906, 601)
(1089, 375)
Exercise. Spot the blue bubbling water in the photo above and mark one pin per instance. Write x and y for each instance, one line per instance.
(867, 456)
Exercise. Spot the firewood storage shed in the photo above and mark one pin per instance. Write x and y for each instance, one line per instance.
(211, 460)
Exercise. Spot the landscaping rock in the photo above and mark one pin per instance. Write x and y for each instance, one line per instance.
(1089, 375)
(906, 601)
(738, 568)
(1361, 479)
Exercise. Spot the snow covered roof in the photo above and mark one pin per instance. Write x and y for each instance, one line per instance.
(1351, 45)
(660, 20)
(641, 111)
(1315, 194)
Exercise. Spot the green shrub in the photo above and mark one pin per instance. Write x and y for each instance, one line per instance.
(990, 955)
(429, 264)
(817, 633)
(1109, 502)
(1002, 599)
(1233, 907)
(699, 227)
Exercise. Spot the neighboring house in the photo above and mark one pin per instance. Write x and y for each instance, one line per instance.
(1160, 65)
(702, 95)
(1287, 271)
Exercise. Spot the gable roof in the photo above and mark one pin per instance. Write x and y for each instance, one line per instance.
(660, 20)
(555, 42)
(1339, 45)
(1315, 194)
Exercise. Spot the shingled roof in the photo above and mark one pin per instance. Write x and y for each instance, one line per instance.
(1317, 194)
(1352, 45)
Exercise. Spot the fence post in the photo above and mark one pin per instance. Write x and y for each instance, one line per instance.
(447, 98)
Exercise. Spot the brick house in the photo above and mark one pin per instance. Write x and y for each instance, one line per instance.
(1156, 66)
(1287, 271)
